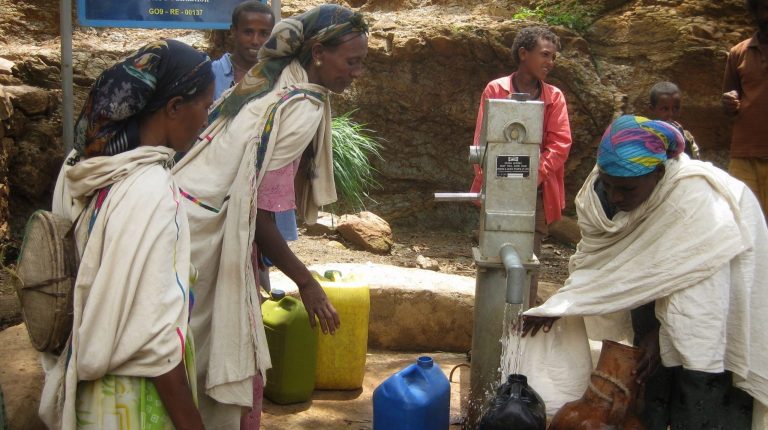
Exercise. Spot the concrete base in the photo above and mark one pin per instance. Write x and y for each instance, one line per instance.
(412, 309)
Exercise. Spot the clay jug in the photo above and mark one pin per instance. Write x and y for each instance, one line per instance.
(609, 401)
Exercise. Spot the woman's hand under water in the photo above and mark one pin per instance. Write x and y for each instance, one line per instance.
(532, 324)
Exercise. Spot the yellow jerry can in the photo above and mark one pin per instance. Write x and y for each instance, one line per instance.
(341, 357)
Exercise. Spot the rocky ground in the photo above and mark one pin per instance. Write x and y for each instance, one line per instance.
(449, 252)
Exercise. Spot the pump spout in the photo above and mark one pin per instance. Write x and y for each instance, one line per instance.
(515, 274)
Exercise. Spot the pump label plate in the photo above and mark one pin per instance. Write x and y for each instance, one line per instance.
(513, 166)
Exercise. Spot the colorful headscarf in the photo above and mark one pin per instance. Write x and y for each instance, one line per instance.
(633, 146)
(142, 83)
(291, 38)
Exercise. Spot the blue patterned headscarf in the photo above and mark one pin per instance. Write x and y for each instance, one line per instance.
(142, 83)
(291, 38)
(634, 146)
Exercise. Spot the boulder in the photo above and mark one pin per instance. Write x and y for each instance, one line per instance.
(35, 160)
(367, 231)
(427, 263)
(6, 66)
(6, 107)
(30, 100)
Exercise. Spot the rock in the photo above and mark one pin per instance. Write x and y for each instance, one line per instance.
(325, 225)
(384, 25)
(43, 70)
(335, 244)
(368, 231)
(16, 125)
(6, 107)
(35, 160)
(565, 230)
(427, 263)
(30, 100)
(6, 66)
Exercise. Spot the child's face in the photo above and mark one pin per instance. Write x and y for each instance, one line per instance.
(667, 107)
(539, 61)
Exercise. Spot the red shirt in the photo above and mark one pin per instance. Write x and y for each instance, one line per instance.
(554, 149)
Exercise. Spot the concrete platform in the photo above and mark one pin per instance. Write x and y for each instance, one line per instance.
(413, 309)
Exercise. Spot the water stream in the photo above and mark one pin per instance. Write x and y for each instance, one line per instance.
(511, 341)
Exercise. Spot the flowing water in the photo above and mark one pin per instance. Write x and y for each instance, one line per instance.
(511, 341)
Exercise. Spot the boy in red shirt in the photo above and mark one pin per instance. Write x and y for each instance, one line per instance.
(534, 50)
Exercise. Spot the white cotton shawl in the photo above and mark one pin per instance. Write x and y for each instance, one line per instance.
(220, 173)
(131, 294)
(697, 220)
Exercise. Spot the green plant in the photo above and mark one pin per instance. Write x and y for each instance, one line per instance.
(353, 148)
(571, 14)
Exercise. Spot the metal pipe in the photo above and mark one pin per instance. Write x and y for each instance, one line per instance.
(67, 116)
(513, 265)
(476, 154)
(276, 9)
(457, 197)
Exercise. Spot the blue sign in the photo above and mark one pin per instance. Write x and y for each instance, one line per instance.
(196, 14)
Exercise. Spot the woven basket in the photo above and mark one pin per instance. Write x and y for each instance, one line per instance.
(46, 272)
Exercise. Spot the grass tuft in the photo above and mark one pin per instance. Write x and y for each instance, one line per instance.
(353, 148)
(571, 14)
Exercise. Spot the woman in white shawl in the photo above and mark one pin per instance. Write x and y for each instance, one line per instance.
(130, 360)
(270, 128)
(660, 228)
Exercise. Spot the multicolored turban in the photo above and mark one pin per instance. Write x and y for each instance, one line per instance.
(140, 84)
(291, 38)
(633, 146)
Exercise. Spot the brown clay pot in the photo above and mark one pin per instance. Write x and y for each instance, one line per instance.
(609, 401)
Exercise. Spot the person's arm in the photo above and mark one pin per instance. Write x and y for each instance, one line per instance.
(174, 392)
(477, 182)
(290, 143)
(272, 244)
(557, 141)
(650, 358)
(731, 85)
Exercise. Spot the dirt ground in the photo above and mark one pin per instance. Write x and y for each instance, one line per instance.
(327, 410)
(451, 250)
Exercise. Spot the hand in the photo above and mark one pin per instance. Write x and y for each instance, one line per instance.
(730, 102)
(533, 324)
(650, 357)
(317, 305)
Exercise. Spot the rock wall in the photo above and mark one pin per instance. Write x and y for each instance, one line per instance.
(428, 62)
